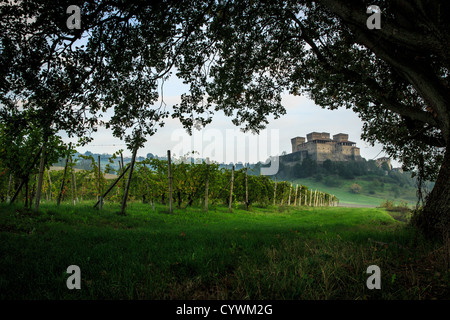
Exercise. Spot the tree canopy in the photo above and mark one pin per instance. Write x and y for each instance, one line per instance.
(239, 57)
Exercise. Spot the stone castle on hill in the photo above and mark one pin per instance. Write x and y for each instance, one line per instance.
(319, 146)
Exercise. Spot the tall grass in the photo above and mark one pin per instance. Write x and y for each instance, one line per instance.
(265, 253)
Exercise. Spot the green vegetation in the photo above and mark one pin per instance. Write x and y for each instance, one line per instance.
(265, 253)
(356, 183)
(150, 184)
(374, 190)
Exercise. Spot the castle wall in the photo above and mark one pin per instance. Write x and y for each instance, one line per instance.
(343, 149)
(323, 151)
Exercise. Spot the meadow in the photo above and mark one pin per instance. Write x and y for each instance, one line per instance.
(280, 253)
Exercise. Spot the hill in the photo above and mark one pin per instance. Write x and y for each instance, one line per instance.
(364, 183)
(372, 193)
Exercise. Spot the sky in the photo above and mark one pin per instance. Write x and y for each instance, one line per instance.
(221, 141)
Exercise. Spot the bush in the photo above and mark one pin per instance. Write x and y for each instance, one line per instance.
(390, 206)
(355, 188)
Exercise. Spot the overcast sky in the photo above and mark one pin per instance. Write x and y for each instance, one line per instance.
(222, 141)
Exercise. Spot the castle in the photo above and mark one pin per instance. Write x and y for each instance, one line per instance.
(320, 147)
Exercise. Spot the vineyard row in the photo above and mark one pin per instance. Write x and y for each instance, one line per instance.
(176, 184)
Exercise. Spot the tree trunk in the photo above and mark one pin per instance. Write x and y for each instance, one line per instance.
(63, 180)
(127, 188)
(434, 220)
(64, 176)
(33, 190)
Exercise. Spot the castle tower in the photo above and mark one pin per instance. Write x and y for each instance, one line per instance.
(296, 142)
(340, 137)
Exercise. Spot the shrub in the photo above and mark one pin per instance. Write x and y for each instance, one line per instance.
(355, 188)
(390, 206)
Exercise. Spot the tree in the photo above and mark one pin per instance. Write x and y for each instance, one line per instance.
(240, 56)
(20, 147)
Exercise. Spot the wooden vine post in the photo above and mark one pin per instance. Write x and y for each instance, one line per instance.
(169, 173)
(289, 197)
(99, 185)
(207, 184)
(246, 189)
(231, 190)
(275, 191)
(49, 184)
(295, 198)
(300, 196)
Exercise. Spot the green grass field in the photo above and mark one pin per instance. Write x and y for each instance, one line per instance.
(265, 253)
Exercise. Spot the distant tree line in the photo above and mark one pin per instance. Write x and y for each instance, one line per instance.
(331, 172)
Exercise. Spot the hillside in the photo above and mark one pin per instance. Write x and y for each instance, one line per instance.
(354, 183)
(373, 192)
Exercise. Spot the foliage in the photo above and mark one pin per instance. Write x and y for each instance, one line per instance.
(150, 184)
(355, 188)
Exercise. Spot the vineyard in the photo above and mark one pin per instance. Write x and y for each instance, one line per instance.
(176, 183)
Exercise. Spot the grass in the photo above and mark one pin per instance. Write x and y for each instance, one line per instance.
(265, 253)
